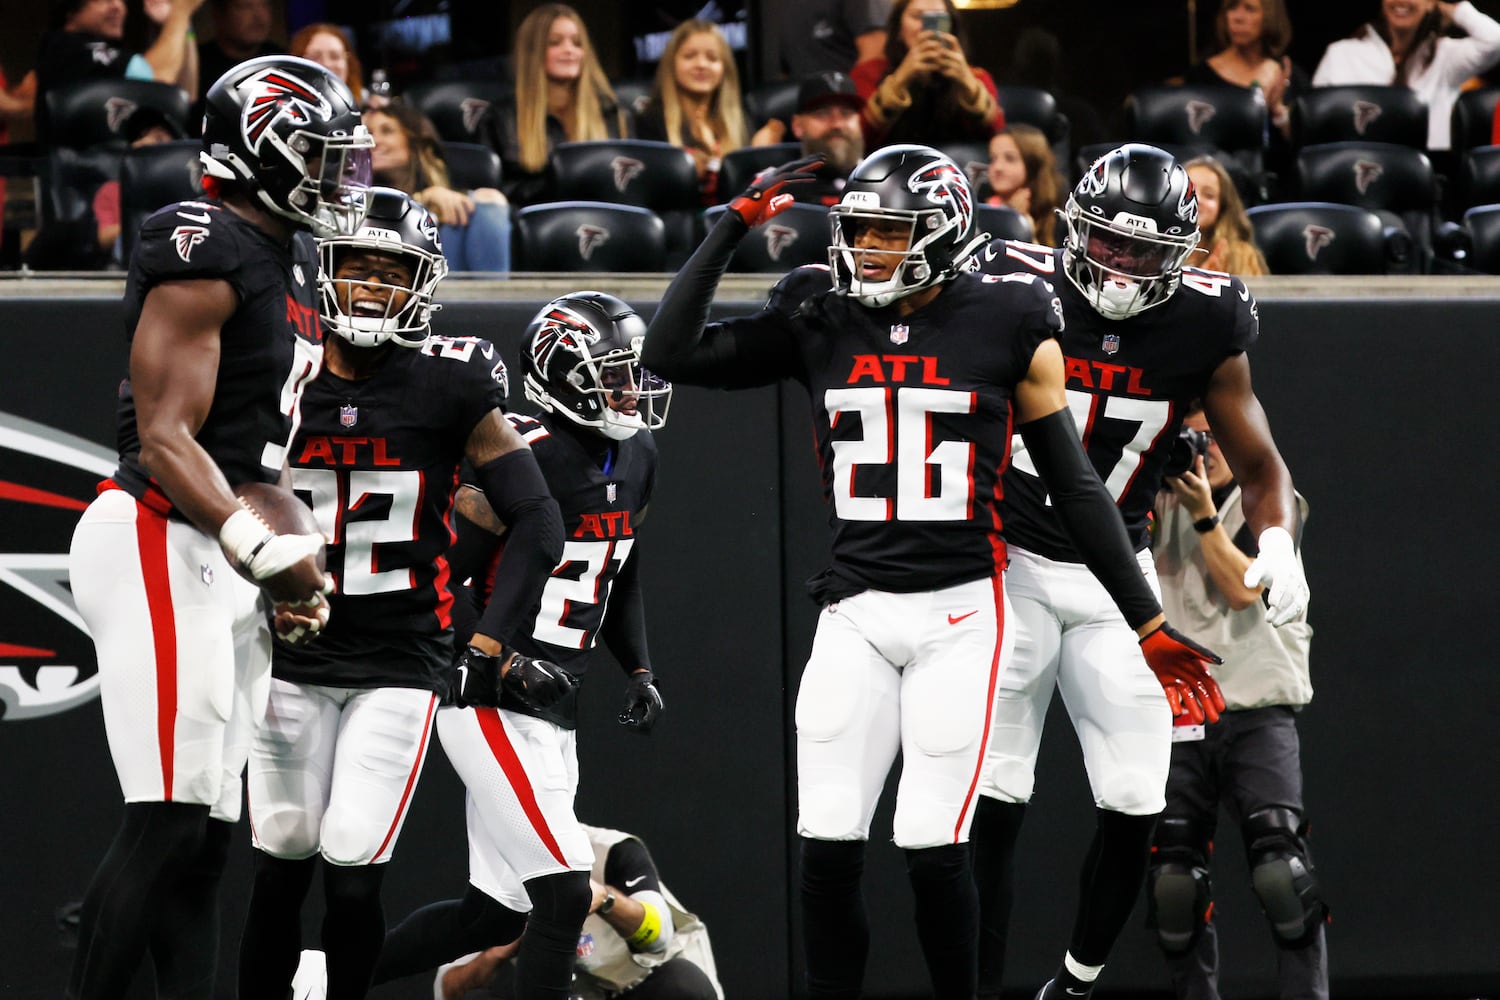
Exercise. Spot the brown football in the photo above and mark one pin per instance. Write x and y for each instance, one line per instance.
(280, 510)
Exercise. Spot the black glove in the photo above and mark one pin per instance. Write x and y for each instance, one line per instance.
(476, 680)
(642, 703)
(537, 684)
(766, 196)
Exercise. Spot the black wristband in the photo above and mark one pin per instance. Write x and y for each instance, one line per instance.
(1206, 524)
(608, 903)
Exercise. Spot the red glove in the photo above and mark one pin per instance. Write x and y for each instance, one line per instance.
(1181, 665)
(765, 197)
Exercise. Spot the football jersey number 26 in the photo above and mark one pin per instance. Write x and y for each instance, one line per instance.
(896, 429)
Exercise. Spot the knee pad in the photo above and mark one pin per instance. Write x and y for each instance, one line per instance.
(1179, 891)
(1282, 876)
(559, 903)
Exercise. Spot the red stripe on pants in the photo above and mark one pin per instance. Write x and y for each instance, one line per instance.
(411, 779)
(151, 539)
(505, 755)
(989, 699)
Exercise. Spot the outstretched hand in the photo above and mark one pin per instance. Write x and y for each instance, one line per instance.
(643, 703)
(1181, 665)
(767, 195)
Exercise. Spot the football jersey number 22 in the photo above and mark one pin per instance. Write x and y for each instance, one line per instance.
(896, 428)
(359, 537)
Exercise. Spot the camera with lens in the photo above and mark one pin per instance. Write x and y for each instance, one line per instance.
(1185, 450)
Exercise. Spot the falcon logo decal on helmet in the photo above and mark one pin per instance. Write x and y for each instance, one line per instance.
(559, 329)
(275, 94)
(945, 184)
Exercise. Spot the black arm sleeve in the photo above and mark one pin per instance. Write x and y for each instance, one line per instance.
(675, 346)
(630, 866)
(472, 549)
(625, 622)
(515, 488)
(1090, 516)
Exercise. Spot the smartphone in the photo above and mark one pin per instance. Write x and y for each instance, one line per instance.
(937, 20)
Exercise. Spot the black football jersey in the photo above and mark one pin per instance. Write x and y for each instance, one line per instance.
(913, 418)
(601, 495)
(378, 460)
(268, 350)
(1130, 382)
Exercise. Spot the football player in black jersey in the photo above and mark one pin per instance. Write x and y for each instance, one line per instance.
(527, 851)
(384, 428)
(917, 371)
(1145, 337)
(223, 335)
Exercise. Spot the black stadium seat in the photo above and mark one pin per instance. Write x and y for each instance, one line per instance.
(1480, 182)
(153, 176)
(588, 236)
(633, 95)
(1221, 117)
(777, 99)
(738, 167)
(1359, 114)
(640, 172)
(1481, 226)
(456, 108)
(93, 112)
(1324, 238)
(1038, 108)
(471, 165)
(973, 158)
(797, 235)
(1368, 174)
(1474, 119)
(1003, 223)
(1248, 181)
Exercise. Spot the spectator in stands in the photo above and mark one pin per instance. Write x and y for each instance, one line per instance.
(86, 45)
(1036, 61)
(923, 88)
(1023, 175)
(474, 225)
(562, 95)
(827, 123)
(818, 36)
(17, 102)
(156, 15)
(1253, 37)
(695, 102)
(242, 30)
(1226, 233)
(1408, 45)
(328, 46)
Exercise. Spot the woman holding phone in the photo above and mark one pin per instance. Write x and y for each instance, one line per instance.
(923, 89)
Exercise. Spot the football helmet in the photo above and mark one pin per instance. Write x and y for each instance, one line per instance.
(289, 132)
(582, 358)
(915, 186)
(1132, 221)
(396, 225)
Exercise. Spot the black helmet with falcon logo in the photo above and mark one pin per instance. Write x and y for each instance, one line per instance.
(289, 133)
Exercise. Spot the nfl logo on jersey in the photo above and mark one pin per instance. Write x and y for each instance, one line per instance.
(610, 492)
(899, 333)
(1111, 343)
(348, 415)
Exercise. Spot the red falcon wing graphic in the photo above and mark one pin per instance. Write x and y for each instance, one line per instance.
(274, 94)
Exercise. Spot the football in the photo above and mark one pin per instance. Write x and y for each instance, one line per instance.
(280, 510)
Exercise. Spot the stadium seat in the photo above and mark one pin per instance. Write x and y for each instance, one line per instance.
(797, 235)
(633, 95)
(973, 158)
(1359, 114)
(70, 177)
(471, 165)
(1311, 237)
(738, 167)
(456, 108)
(1038, 108)
(1395, 182)
(777, 99)
(1481, 228)
(153, 176)
(1480, 181)
(1220, 117)
(640, 172)
(1249, 181)
(91, 113)
(1474, 119)
(588, 236)
(1003, 223)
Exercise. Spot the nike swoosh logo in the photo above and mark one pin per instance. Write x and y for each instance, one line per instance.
(989, 253)
(952, 620)
(201, 219)
(1244, 295)
(632, 881)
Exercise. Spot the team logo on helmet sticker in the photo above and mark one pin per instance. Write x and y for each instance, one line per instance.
(945, 184)
(1097, 178)
(560, 329)
(1317, 238)
(274, 94)
(590, 238)
(626, 170)
(185, 238)
(1187, 205)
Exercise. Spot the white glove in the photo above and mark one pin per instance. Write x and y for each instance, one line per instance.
(1278, 570)
(260, 551)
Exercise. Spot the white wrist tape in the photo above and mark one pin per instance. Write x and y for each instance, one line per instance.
(1277, 542)
(244, 536)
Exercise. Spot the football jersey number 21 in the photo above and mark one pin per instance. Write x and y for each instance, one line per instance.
(896, 429)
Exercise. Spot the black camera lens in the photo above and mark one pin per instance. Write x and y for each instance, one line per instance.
(1188, 446)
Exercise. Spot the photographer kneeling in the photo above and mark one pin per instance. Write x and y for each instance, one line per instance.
(1250, 758)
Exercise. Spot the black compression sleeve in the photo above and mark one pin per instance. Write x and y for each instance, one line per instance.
(1090, 516)
(515, 488)
(674, 345)
(472, 549)
(625, 624)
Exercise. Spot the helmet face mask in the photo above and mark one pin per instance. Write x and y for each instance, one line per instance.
(396, 229)
(907, 189)
(289, 132)
(1132, 222)
(582, 360)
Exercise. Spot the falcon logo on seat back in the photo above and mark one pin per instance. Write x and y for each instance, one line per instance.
(778, 238)
(626, 170)
(1365, 113)
(1317, 238)
(473, 110)
(275, 94)
(590, 238)
(117, 111)
(1366, 172)
(1199, 114)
